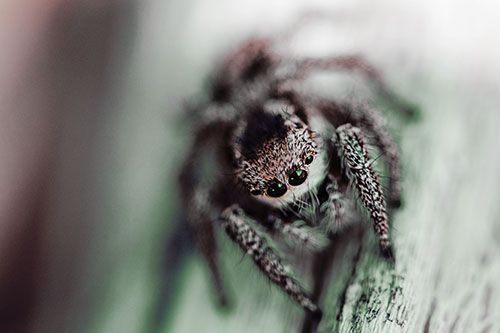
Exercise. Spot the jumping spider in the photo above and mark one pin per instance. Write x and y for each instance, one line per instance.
(280, 156)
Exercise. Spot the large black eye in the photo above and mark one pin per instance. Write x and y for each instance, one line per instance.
(276, 189)
(309, 159)
(297, 177)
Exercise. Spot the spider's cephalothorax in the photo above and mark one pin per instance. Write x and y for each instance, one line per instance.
(274, 150)
(288, 162)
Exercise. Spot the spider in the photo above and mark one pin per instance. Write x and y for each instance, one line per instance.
(283, 163)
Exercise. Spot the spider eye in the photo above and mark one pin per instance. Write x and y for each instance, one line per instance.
(276, 189)
(297, 177)
(309, 159)
(255, 192)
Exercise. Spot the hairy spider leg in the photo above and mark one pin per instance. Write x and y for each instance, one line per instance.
(236, 225)
(196, 198)
(357, 164)
(246, 64)
(323, 262)
(366, 116)
(372, 121)
(359, 64)
(301, 234)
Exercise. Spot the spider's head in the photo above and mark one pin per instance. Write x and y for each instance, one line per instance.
(276, 154)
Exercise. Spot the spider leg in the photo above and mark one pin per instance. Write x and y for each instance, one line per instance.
(371, 120)
(359, 64)
(198, 207)
(300, 234)
(198, 215)
(357, 164)
(323, 262)
(252, 59)
(366, 116)
(334, 209)
(236, 225)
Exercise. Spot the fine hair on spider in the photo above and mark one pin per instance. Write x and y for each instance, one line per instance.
(287, 165)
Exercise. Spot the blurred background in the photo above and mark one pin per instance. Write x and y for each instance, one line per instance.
(92, 136)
